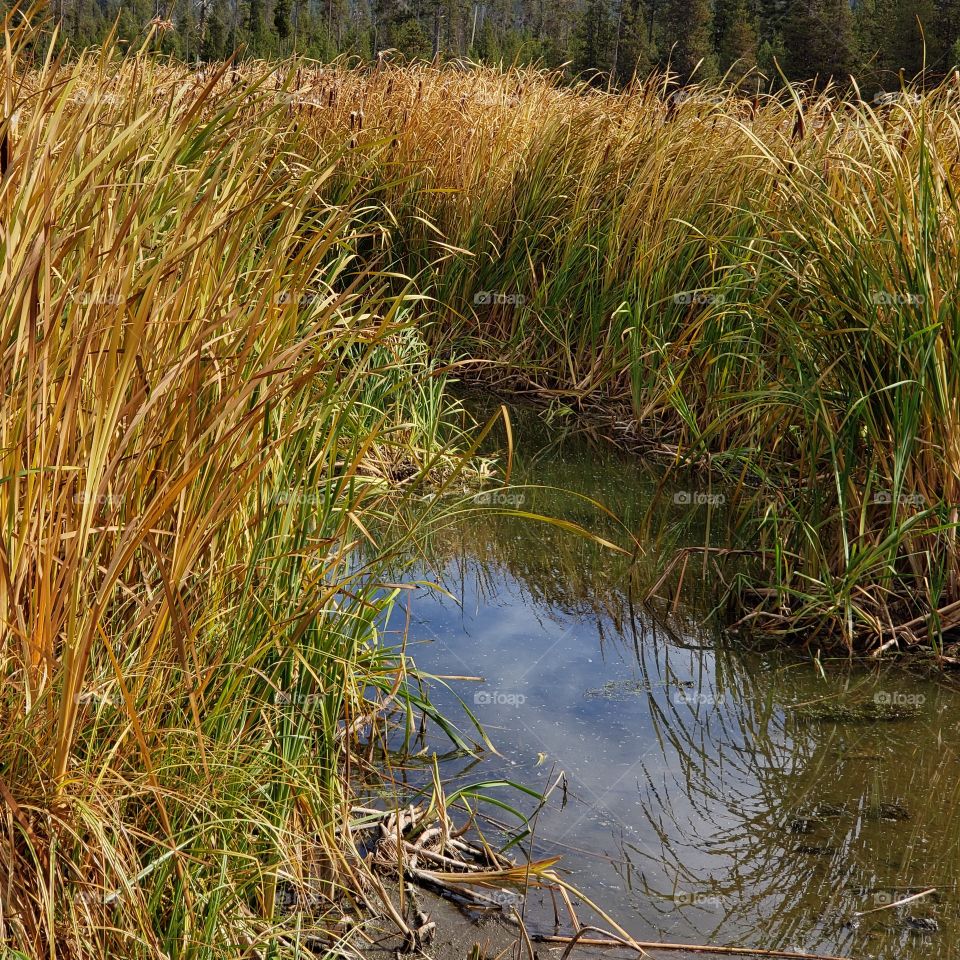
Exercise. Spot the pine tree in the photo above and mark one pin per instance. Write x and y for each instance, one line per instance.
(635, 53)
(737, 39)
(281, 21)
(255, 27)
(818, 36)
(213, 43)
(687, 40)
(946, 34)
(911, 21)
(594, 38)
(771, 59)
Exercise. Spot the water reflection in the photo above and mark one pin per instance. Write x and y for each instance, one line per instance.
(714, 794)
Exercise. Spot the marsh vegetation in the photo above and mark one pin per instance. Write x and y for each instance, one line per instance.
(233, 302)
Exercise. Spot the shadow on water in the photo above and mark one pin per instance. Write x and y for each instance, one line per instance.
(714, 793)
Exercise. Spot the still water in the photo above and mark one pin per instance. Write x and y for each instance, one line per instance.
(714, 793)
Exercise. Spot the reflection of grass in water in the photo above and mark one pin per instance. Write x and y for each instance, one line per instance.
(755, 745)
(853, 782)
(747, 755)
(559, 480)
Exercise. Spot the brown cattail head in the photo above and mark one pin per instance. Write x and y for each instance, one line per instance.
(799, 126)
(948, 185)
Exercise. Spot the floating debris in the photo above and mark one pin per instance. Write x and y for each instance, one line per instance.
(890, 812)
(869, 711)
(815, 849)
(618, 690)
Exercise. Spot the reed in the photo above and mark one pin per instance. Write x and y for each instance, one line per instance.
(227, 301)
(766, 285)
(207, 402)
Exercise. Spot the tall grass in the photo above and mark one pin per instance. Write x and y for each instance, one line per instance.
(224, 295)
(767, 285)
(207, 401)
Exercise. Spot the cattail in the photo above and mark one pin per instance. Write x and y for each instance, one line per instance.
(799, 126)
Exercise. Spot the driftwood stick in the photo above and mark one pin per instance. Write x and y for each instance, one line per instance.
(897, 903)
(643, 945)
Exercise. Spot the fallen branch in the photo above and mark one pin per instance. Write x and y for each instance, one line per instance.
(643, 945)
(896, 903)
